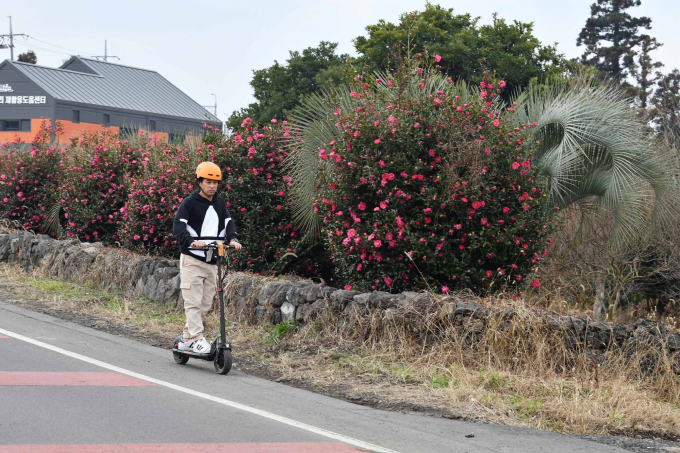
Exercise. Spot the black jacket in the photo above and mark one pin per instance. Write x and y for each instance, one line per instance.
(199, 219)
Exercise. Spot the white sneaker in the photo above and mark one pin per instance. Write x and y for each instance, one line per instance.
(201, 346)
(185, 345)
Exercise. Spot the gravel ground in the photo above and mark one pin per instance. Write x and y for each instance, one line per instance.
(636, 445)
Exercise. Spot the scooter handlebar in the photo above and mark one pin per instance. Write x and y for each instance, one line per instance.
(212, 246)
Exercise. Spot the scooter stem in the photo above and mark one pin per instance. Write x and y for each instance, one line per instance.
(220, 292)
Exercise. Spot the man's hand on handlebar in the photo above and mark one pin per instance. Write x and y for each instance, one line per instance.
(201, 245)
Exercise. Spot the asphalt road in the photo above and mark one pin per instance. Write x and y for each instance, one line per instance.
(69, 388)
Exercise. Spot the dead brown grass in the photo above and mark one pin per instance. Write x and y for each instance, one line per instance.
(513, 372)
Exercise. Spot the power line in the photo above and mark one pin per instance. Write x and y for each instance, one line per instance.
(33, 46)
(61, 47)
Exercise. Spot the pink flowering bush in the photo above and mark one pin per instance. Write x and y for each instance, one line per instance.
(98, 170)
(429, 187)
(258, 197)
(165, 176)
(29, 178)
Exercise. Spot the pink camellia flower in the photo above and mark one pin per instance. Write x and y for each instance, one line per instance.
(20, 194)
(496, 122)
(279, 207)
(351, 232)
(377, 243)
(506, 210)
(437, 102)
(535, 283)
(445, 289)
(362, 206)
(378, 80)
(359, 266)
(388, 281)
(526, 164)
(377, 141)
(349, 287)
(391, 119)
(274, 121)
(5, 200)
(353, 94)
(437, 58)
(400, 222)
(383, 205)
(502, 83)
(515, 165)
(136, 238)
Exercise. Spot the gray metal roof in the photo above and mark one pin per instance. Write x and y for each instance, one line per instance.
(115, 85)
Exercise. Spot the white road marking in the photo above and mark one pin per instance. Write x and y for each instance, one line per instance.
(288, 421)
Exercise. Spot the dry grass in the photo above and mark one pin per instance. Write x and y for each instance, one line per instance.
(513, 372)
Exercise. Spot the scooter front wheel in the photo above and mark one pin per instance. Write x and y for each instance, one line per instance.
(179, 358)
(223, 361)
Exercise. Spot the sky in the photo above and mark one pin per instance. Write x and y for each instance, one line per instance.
(212, 47)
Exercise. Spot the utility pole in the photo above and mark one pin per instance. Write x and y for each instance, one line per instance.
(11, 39)
(214, 106)
(106, 55)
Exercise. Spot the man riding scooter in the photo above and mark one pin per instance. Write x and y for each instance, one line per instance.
(202, 218)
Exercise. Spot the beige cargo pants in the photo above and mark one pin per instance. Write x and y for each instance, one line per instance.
(198, 281)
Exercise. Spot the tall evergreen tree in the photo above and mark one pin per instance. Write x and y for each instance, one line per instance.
(610, 22)
(644, 71)
(665, 111)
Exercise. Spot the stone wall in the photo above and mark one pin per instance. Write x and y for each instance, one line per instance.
(257, 299)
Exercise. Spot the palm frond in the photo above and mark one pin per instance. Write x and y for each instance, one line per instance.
(591, 144)
(51, 225)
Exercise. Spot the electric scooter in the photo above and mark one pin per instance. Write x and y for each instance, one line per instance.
(220, 350)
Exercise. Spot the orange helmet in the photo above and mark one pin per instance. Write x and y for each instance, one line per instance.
(209, 170)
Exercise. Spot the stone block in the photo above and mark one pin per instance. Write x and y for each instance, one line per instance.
(288, 312)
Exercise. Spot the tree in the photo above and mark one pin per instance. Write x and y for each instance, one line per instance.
(665, 111)
(610, 22)
(28, 57)
(643, 71)
(510, 50)
(467, 50)
(279, 88)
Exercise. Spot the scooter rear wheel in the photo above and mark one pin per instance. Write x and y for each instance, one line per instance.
(180, 359)
(223, 361)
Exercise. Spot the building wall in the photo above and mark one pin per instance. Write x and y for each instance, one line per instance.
(23, 87)
(91, 116)
(11, 136)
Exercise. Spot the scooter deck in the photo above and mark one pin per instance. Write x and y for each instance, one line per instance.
(195, 355)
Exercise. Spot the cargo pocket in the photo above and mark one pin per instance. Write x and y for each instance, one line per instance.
(185, 285)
